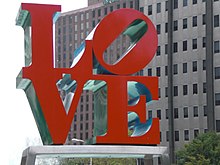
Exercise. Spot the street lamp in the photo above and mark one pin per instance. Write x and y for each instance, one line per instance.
(78, 140)
(82, 141)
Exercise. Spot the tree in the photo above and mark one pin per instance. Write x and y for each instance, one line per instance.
(98, 161)
(203, 150)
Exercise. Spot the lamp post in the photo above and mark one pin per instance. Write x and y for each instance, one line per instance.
(82, 141)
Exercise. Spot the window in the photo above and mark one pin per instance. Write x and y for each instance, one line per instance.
(166, 48)
(124, 5)
(195, 88)
(106, 10)
(158, 7)
(149, 72)
(158, 51)
(167, 136)
(166, 6)
(217, 99)
(185, 112)
(185, 23)
(185, 89)
(149, 114)
(185, 45)
(185, 3)
(166, 70)
(131, 4)
(166, 91)
(166, 27)
(175, 25)
(217, 72)
(158, 29)
(204, 87)
(204, 64)
(150, 10)
(175, 69)
(167, 115)
(176, 135)
(158, 71)
(87, 98)
(160, 136)
(175, 93)
(184, 67)
(175, 47)
(93, 13)
(195, 111)
(176, 114)
(194, 66)
(111, 8)
(87, 107)
(159, 113)
(216, 47)
(194, 43)
(99, 12)
(196, 133)
(203, 42)
(217, 125)
(203, 19)
(93, 23)
(216, 21)
(87, 126)
(205, 110)
(87, 15)
(142, 9)
(82, 26)
(175, 6)
(81, 107)
(186, 135)
(194, 2)
(194, 21)
(159, 94)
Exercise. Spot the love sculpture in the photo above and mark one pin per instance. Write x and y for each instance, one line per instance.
(127, 95)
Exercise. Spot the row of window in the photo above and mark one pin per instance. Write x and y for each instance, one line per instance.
(176, 112)
(185, 23)
(185, 45)
(94, 13)
(83, 117)
(184, 69)
(175, 5)
(185, 110)
(186, 135)
(185, 91)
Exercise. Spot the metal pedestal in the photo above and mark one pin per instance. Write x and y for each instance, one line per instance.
(99, 151)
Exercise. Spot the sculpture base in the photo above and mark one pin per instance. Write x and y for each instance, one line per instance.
(31, 154)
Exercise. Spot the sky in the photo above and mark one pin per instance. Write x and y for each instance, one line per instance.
(17, 125)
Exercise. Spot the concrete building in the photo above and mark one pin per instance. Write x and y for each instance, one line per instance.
(187, 63)
(71, 29)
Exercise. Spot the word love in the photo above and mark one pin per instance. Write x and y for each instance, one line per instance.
(44, 76)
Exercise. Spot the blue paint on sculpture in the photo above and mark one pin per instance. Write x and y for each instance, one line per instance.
(67, 87)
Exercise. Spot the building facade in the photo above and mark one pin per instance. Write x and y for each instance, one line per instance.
(187, 63)
(71, 30)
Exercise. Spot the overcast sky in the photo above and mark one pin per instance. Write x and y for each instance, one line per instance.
(17, 124)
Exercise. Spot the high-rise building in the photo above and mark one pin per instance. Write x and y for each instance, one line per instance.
(71, 30)
(187, 63)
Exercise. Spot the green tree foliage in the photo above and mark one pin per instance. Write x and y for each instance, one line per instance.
(203, 150)
(98, 161)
